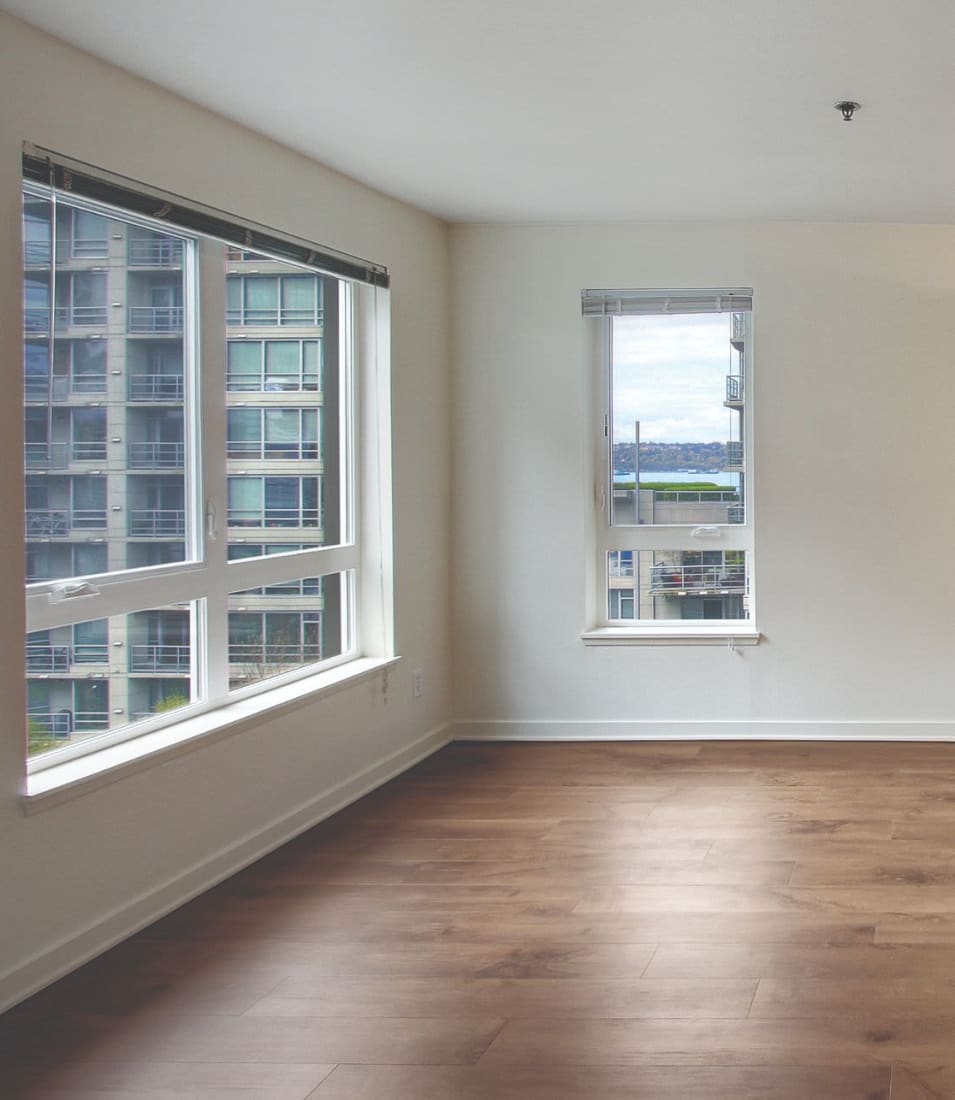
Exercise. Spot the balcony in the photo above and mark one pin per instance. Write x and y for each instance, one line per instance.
(157, 523)
(61, 388)
(734, 391)
(738, 330)
(267, 451)
(156, 456)
(697, 580)
(81, 248)
(297, 382)
(62, 723)
(277, 315)
(734, 455)
(154, 252)
(273, 517)
(155, 387)
(59, 658)
(695, 496)
(88, 450)
(46, 456)
(79, 316)
(258, 655)
(59, 523)
(37, 253)
(155, 320)
(159, 658)
(48, 658)
(736, 514)
(36, 320)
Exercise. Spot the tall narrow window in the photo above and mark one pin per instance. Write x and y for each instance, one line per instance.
(675, 535)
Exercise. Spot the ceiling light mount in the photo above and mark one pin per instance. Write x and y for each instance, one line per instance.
(848, 108)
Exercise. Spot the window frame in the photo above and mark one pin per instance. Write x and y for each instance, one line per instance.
(684, 537)
(209, 578)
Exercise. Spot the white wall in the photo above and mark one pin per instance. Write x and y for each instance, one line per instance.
(76, 875)
(855, 410)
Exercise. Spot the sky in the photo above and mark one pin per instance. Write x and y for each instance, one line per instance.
(670, 374)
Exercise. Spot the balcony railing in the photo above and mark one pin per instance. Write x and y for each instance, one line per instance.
(154, 252)
(155, 319)
(49, 658)
(37, 253)
(46, 456)
(241, 382)
(738, 333)
(53, 523)
(159, 658)
(697, 579)
(156, 456)
(257, 654)
(265, 450)
(79, 316)
(157, 523)
(736, 514)
(62, 723)
(155, 387)
(734, 389)
(58, 658)
(695, 496)
(81, 248)
(36, 319)
(63, 386)
(88, 450)
(278, 315)
(273, 517)
(734, 455)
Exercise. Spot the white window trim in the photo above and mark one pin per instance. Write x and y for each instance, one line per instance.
(364, 555)
(603, 631)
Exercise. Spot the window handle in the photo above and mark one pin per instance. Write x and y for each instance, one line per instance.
(212, 520)
(705, 533)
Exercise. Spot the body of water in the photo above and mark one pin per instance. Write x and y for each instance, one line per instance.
(675, 476)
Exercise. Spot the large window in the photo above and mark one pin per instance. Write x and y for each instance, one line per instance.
(674, 540)
(191, 509)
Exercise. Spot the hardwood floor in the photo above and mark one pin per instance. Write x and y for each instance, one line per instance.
(551, 922)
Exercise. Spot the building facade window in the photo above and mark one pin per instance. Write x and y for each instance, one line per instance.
(674, 533)
(220, 478)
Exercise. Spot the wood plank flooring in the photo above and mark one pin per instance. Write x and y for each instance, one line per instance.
(550, 922)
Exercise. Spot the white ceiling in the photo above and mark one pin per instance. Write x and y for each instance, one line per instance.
(546, 110)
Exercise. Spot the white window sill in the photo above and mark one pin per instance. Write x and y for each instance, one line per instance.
(63, 782)
(678, 635)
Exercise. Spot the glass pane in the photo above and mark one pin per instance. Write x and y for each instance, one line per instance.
(284, 626)
(677, 584)
(105, 425)
(283, 444)
(103, 674)
(677, 419)
(245, 365)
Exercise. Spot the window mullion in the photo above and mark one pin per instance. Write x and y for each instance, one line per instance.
(212, 498)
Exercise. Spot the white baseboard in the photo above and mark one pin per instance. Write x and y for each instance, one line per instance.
(728, 730)
(28, 977)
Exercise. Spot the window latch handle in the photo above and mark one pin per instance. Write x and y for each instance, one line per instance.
(708, 532)
(212, 520)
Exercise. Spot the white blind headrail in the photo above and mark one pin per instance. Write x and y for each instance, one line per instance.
(622, 303)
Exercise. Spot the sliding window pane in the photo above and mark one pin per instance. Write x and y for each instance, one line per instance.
(672, 585)
(106, 409)
(284, 627)
(99, 675)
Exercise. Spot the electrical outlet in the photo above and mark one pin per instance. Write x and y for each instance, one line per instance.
(417, 680)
